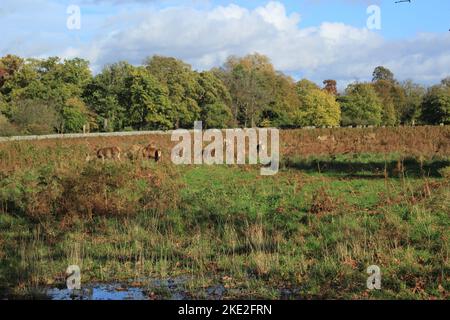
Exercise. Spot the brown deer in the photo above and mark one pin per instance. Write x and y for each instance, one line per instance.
(134, 152)
(151, 152)
(112, 153)
(326, 138)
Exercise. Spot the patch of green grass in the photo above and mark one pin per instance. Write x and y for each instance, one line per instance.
(310, 231)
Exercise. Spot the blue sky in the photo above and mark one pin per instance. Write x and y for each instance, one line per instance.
(398, 20)
(316, 39)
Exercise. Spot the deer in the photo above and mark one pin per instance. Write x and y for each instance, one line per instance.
(326, 138)
(134, 152)
(151, 152)
(110, 153)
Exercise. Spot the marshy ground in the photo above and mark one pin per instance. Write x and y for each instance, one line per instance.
(309, 232)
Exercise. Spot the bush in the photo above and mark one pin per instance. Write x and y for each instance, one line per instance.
(100, 190)
(445, 172)
(7, 129)
(109, 189)
(35, 117)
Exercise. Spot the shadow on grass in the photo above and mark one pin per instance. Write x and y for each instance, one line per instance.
(13, 275)
(370, 169)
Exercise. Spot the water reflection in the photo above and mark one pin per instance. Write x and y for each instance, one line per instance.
(98, 292)
(169, 289)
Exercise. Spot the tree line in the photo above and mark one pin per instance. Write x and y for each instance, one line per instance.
(39, 96)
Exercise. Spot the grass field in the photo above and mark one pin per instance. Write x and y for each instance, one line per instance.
(366, 197)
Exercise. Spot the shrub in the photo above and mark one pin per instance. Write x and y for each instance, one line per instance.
(32, 193)
(6, 128)
(445, 172)
(35, 117)
(109, 189)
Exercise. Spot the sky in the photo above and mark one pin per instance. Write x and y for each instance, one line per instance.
(314, 39)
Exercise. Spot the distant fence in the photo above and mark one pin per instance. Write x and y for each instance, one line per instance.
(83, 135)
(133, 133)
(92, 135)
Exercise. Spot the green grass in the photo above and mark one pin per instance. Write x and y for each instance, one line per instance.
(312, 231)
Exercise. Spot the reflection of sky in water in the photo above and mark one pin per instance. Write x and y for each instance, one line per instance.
(100, 292)
(173, 289)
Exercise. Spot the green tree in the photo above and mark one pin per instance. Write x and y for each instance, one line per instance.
(361, 105)
(75, 115)
(9, 65)
(389, 95)
(108, 95)
(436, 105)
(150, 105)
(317, 107)
(183, 88)
(392, 94)
(305, 85)
(4, 107)
(3, 77)
(50, 79)
(382, 73)
(253, 83)
(284, 103)
(15, 86)
(47, 80)
(446, 82)
(414, 94)
(217, 115)
(214, 100)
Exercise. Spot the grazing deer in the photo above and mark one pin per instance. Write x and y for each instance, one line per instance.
(371, 137)
(151, 152)
(134, 152)
(112, 153)
(326, 138)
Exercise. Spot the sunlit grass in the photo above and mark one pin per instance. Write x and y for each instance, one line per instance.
(310, 231)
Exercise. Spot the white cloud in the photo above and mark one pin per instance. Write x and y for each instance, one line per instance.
(205, 36)
(274, 13)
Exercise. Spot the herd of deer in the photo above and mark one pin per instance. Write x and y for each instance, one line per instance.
(150, 152)
(371, 137)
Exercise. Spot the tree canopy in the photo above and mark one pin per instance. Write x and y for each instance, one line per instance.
(317, 107)
(361, 105)
(383, 73)
(436, 105)
(54, 95)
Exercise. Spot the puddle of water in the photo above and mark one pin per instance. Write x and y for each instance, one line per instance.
(97, 292)
(170, 289)
(156, 289)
